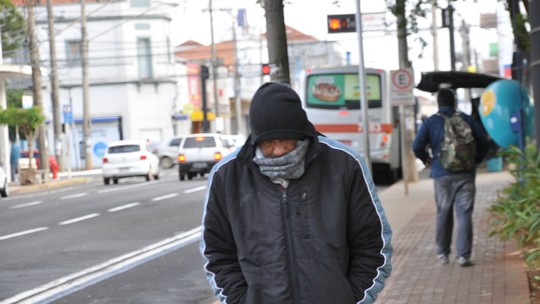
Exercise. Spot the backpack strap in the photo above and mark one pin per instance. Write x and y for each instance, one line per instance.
(442, 115)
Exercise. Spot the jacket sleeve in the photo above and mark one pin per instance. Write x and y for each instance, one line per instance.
(219, 250)
(369, 236)
(421, 142)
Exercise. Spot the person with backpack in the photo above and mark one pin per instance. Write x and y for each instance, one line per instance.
(452, 143)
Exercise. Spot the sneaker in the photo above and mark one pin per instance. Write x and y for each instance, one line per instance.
(464, 262)
(442, 258)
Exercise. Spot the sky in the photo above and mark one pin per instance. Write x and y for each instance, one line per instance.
(309, 17)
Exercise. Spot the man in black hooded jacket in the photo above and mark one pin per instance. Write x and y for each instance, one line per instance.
(293, 216)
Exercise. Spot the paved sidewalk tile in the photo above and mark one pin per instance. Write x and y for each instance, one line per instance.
(497, 276)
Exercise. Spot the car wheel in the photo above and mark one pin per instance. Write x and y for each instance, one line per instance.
(166, 162)
(5, 190)
(106, 180)
(115, 180)
(191, 175)
(156, 177)
(181, 175)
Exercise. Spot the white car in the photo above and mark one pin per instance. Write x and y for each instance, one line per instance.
(198, 153)
(4, 183)
(129, 158)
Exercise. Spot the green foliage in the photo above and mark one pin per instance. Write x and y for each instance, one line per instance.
(13, 27)
(14, 98)
(516, 213)
(28, 120)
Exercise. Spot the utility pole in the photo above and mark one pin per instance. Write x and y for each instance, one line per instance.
(534, 19)
(237, 100)
(213, 59)
(451, 34)
(434, 34)
(408, 160)
(36, 81)
(87, 131)
(58, 148)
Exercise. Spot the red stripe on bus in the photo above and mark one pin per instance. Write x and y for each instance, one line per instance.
(352, 128)
(338, 128)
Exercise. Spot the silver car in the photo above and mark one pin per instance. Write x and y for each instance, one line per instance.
(4, 183)
(129, 158)
(167, 152)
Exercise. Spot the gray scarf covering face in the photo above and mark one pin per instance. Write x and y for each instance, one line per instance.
(288, 166)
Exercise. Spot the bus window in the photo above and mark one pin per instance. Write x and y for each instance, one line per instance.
(338, 91)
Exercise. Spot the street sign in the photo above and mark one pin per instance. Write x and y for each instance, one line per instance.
(401, 87)
(68, 114)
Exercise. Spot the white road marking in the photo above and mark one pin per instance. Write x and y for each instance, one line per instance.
(26, 205)
(76, 195)
(78, 219)
(95, 274)
(9, 236)
(195, 189)
(126, 206)
(164, 197)
(126, 187)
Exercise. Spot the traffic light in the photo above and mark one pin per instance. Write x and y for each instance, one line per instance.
(341, 23)
(265, 69)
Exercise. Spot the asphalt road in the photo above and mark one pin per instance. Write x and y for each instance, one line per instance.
(135, 242)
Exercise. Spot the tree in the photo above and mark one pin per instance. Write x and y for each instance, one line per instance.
(27, 120)
(12, 27)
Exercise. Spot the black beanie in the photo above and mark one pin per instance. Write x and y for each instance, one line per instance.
(276, 113)
(446, 97)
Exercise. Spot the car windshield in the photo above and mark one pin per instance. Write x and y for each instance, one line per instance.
(199, 142)
(124, 149)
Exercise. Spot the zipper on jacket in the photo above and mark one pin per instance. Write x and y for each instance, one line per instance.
(286, 211)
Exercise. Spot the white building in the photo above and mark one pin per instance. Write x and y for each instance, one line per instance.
(131, 71)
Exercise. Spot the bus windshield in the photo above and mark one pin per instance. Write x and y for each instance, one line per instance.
(342, 91)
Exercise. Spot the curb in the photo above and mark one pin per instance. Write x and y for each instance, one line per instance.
(15, 189)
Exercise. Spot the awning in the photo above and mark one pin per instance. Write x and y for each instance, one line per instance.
(432, 81)
(198, 115)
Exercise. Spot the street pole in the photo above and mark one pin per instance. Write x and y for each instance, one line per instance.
(58, 145)
(534, 19)
(237, 100)
(214, 60)
(362, 79)
(435, 35)
(451, 33)
(87, 131)
(36, 81)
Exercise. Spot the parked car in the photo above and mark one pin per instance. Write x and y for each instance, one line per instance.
(129, 158)
(167, 152)
(4, 183)
(198, 153)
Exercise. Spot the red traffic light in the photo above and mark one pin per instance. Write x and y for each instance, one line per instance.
(334, 24)
(341, 23)
(265, 69)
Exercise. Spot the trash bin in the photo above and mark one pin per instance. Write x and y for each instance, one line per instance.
(495, 164)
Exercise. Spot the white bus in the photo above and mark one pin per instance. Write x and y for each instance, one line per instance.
(331, 98)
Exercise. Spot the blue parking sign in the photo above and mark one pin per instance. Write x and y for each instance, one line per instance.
(68, 114)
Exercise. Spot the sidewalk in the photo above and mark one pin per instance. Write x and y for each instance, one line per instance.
(497, 276)
(75, 177)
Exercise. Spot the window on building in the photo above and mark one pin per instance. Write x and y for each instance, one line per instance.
(73, 52)
(144, 56)
(140, 3)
